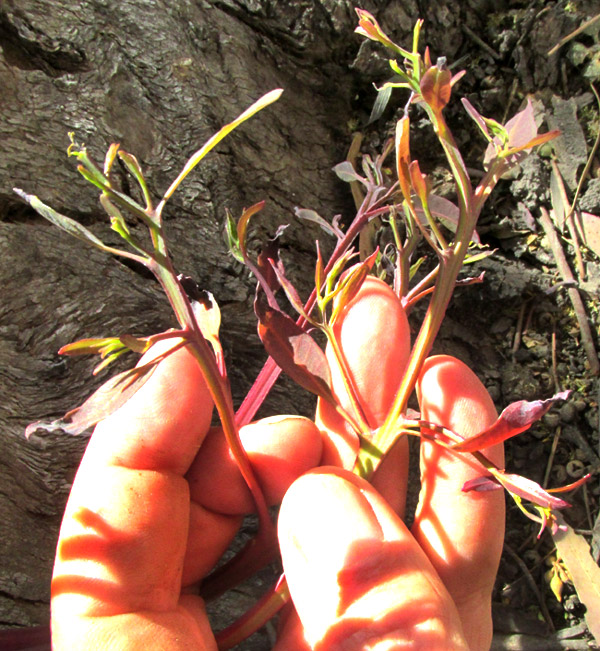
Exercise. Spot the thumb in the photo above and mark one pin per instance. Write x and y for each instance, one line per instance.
(355, 573)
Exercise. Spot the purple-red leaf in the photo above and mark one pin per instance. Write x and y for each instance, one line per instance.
(521, 128)
(529, 490)
(520, 486)
(102, 403)
(516, 418)
(294, 350)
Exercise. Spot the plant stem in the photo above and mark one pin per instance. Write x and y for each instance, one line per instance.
(578, 306)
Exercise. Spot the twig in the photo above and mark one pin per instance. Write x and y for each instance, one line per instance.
(482, 44)
(553, 449)
(569, 220)
(532, 584)
(557, 387)
(589, 161)
(566, 273)
(573, 34)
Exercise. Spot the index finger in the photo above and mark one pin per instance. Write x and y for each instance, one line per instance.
(125, 528)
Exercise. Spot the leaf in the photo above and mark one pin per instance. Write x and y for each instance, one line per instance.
(516, 418)
(419, 181)
(102, 403)
(290, 291)
(436, 88)
(311, 216)
(295, 351)
(403, 155)
(260, 104)
(109, 159)
(207, 315)
(350, 283)
(522, 128)
(381, 101)
(346, 172)
(73, 227)
(583, 571)
(242, 225)
(476, 117)
(67, 224)
(528, 490)
(591, 231)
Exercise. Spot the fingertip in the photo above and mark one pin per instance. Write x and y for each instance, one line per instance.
(336, 532)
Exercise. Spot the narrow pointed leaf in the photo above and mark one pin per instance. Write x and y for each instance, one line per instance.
(529, 490)
(311, 216)
(476, 117)
(102, 403)
(350, 283)
(381, 101)
(260, 104)
(403, 155)
(290, 291)
(109, 159)
(516, 418)
(134, 167)
(294, 350)
(65, 223)
(242, 225)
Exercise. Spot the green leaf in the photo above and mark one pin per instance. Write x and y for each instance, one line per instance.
(132, 164)
(231, 237)
(73, 227)
(260, 104)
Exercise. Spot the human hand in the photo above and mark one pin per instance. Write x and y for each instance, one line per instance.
(132, 539)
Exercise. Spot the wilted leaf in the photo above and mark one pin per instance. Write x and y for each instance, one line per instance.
(294, 350)
(574, 552)
(516, 418)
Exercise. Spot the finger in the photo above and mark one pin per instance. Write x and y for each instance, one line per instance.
(356, 575)
(125, 529)
(461, 532)
(279, 448)
(374, 336)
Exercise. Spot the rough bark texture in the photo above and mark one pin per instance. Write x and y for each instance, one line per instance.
(161, 77)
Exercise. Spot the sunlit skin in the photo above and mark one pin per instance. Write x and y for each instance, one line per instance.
(137, 529)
